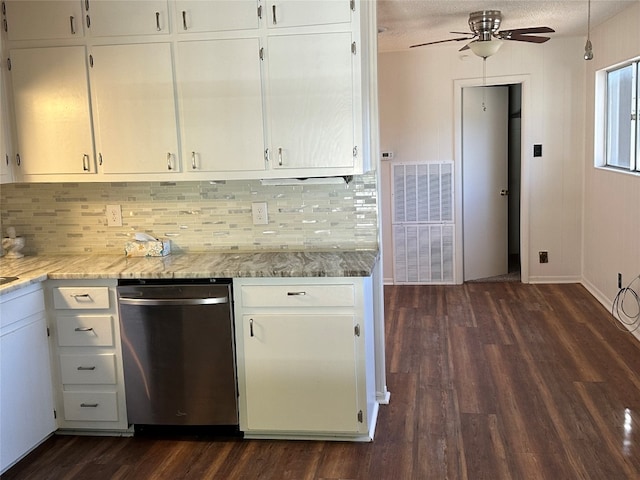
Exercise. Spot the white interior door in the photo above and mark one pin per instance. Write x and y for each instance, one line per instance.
(484, 179)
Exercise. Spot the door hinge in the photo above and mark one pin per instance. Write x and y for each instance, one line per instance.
(352, 4)
(360, 416)
(260, 12)
(353, 48)
(261, 53)
(91, 60)
(9, 64)
(356, 330)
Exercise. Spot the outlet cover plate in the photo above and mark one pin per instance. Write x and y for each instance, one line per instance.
(259, 213)
(114, 216)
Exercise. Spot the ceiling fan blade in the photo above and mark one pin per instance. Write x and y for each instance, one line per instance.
(508, 34)
(464, 33)
(527, 38)
(466, 47)
(441, 41)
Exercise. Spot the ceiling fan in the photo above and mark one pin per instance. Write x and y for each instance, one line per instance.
(484, 27)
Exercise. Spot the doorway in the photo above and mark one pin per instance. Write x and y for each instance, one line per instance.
(491, 171)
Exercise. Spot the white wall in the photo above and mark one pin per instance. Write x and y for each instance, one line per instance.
(417, 122)
(612, 200)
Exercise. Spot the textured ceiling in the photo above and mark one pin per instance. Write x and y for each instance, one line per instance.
(408, 22)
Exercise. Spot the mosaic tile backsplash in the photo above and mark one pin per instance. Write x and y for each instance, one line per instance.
(70, 218)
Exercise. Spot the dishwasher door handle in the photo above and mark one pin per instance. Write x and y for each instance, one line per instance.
(173, 301)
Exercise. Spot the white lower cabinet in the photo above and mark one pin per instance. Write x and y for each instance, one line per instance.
(305, 358)
(26, 404)
(86, 355)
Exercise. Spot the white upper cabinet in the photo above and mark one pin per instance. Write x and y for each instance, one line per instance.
(299, 13)
(6, 174)
(221, 15)
(51, 101)
(131, 17)
(134, 108)
(220, 101)
(43, 20)
(311, 101)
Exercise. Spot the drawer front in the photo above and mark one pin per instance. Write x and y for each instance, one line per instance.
(90, 406)
(88, 369)
(85, 331)
(81, 298)
(21, 306)
(298, 295)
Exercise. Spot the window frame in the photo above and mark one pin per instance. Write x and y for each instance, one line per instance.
(602, 119)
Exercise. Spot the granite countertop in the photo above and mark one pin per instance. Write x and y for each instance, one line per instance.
(32, 269)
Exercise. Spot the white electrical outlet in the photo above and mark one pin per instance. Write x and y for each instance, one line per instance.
(259, 213)
(114, 216)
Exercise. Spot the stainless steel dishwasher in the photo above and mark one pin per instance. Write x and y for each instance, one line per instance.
(178, 352)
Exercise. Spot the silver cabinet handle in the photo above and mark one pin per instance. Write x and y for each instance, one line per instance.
(85, 162)
(193, 160)
(184, 20)
(280, 156)
(251, 327)
(275, 19)
(18, 161)
(158, 21)
(296, 294)
(72, 25)
(80, 295)
(86, 368)
(89, 405)
(169, 163)
(83, 329)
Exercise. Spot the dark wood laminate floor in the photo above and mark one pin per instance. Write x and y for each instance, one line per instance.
(487, 381)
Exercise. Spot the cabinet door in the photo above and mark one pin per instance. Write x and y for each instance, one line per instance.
(296, 13)
(26, 404)
(221, 15)
(311, 106)
(42, 20)
(137, 17)
(5, 162)
(51, 100)
(221, 105)
(300, 373)
(134, 108)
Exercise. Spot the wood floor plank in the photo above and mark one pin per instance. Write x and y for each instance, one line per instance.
(487, 380)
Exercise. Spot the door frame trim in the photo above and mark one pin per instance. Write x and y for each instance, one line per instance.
(526, 140)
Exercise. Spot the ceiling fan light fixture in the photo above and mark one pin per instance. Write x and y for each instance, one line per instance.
(485, 48)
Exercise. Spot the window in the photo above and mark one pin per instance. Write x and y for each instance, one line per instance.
(622, 123)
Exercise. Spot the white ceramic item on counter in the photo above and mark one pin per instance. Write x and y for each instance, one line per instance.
(13, 244)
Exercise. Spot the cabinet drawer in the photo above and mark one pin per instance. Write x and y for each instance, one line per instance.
(88, 369)
(90, 406)
(81, 298)
(297, 295)
(85, 331)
